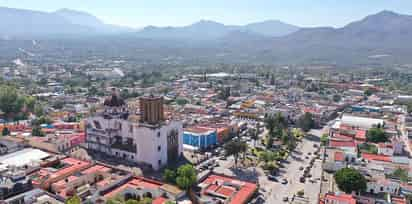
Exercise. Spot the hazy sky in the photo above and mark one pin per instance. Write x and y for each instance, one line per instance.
(139, 13)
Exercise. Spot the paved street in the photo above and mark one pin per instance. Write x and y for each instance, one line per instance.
(275, 191)
(292, 170)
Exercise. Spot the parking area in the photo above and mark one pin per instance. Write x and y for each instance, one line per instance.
(289, 181)
(300, 172)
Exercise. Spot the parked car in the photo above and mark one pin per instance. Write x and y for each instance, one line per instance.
(284, 181)
(259, 200)
(272, 178)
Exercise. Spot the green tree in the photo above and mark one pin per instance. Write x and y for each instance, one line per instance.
(336, 98)
(276, 121)
(181, 101)
(368, 92)
(368, 148)
(38, 110)
(146, 200)
(37, 131)
(169, 176)
(255, 133)
(11, 102)
(306, 122)
(376, 135)
(30, 103)
(291, 142)
(115, 200)
(275, 124)
(5, 131)
(186, 176)
(131, 201)
(349, 179)
(235, 148)
(267, 156)
(270, 124)
(401, 174)
(297, 133)
(92, 91)
(324, 139)
(74, 200)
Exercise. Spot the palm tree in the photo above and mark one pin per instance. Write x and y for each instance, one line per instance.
(255, 135)
(243, 149)
(270, 123)
(235, 148)
(274, 122)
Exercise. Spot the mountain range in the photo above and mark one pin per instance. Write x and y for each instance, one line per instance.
(28, 23)
(384, 36)
(21, 22)
(209, 30)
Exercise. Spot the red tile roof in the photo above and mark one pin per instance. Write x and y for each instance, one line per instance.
(339, 156)
(342, 143)
(342, 137)
(385, 145)
(135, 183)
(198, 130)
(398, 200)
(341, 198)
(96, 168)
(360, 134)
(376, 157)
(226, 191)
(245, 192)
(159, 200)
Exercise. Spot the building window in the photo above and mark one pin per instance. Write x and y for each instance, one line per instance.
(97, 124)
(158, 134)
(131, 128)
(160, 162)
(159, 148)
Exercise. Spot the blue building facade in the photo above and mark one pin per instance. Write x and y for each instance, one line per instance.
(370, 109)
(200, 139)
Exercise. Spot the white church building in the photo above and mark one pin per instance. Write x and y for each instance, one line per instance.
(146, 138)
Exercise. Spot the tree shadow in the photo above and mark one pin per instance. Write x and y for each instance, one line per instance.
(245, 174)
(313, 138)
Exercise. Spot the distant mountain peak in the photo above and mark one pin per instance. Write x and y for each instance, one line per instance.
(206, 23)
(384, 15)
(86, 19)
(387, 13)
(79, 17)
